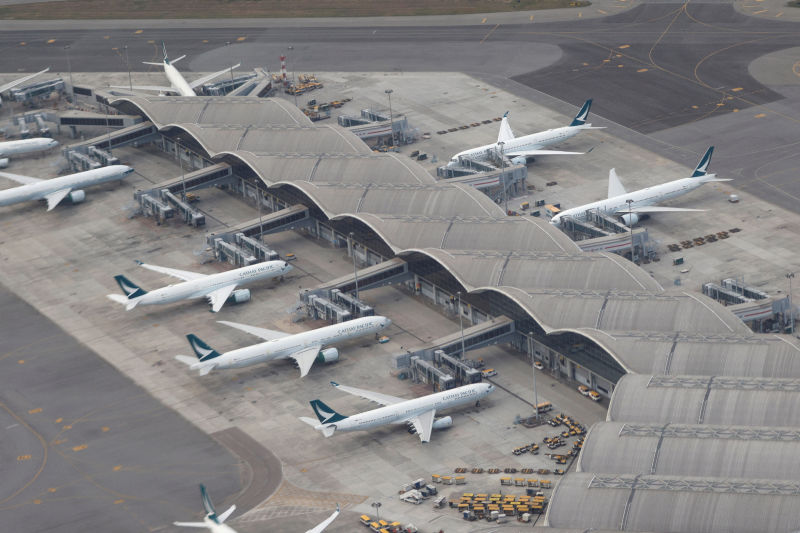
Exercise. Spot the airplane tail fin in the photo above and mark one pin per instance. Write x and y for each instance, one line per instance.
(615, 187)
(702, 167)
(130, 289)
(203, 351)
(327, 431)
(583, 114)
(164, 48)
(505, 134)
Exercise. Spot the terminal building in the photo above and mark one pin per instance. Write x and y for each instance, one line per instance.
(665, 356)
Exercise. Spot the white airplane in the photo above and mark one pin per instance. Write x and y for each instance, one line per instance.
(304, 348)
(418, 413)
(216, 523)
(216, 287)
(643, 199)
(56, 189)
(24, 146)
(519, 149)
(10, 85)
(178, 83)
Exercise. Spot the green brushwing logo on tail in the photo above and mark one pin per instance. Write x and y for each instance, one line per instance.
(700, 171)
(583, 114)
(203, 351)
(207, 505)
(130, 289)
(325, 414)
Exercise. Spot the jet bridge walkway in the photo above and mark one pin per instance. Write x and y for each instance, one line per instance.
(389, 272)
(136, 134)
(293, 217)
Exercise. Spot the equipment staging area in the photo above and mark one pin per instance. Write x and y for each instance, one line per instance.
(595, 317)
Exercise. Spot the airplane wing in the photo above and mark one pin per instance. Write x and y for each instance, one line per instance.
(10, 85)
(266, 334)
(54, 198)
(218, 297)
(423, 424)
(326, 523)
(185, 275)
(305, 358)
(655, 209)
(377, 397)
(200, 81)
(24, 180)
(145, 88)
(534, 153)
(191, 524)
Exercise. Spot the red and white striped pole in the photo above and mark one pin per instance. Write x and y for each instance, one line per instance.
(283, 70)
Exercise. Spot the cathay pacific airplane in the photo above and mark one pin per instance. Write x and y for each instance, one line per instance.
(519, 149)
(56, 189)
(304, 348)
(24, 146)
(418, 413)
(216, 287)
(10, 85)
(643, 200)
(216, 523)
(178, 83)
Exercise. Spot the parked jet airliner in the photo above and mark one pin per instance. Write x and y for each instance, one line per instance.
(56, 189)
(216, 287)
(519, 149)
(178, 83)
(304, 348)
(216, 523)
(418, 413)
(643, 199)
(19, 81)
(24, 146)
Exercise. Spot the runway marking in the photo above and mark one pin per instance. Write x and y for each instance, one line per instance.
(26, 457)
(780, 14)
(66, 427)
(137, 32)
(117, 502)
(760, 115)
(490, 33)
(51, 41)
(736, 89)
(34, 411)
(57, 442)
(759, 12)
(79, 448)
(602, 12)
(483, 21)
(12, 426)
(642, 70)
(624, 46)
(240, 39)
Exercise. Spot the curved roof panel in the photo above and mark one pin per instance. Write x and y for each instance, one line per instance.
(691, 450)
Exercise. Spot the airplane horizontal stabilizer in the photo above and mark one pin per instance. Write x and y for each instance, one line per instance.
(191, 524)
(656, 209)
(120, 299)
(534, 153)
(200, 81)
(23, 180)
(158, 88)
(224, 516)
(327, 431)
(185, 359)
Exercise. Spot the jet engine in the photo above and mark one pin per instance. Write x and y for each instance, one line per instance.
(328, 355)
(240, 296)
(442, 423)
(4, 162)
(519, 160)
(77, 196)
(629, 219)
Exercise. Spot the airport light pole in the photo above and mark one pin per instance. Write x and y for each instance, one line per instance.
(790, 276)
(228, 46)
(503, 174)
(353, 252)
(461, 324)
(630, 222)
(69, 68)
(180, 161)
(533, 370)
(377, 506)
(391, 117)
(128, 64)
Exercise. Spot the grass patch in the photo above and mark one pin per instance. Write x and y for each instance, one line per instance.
(182, 9)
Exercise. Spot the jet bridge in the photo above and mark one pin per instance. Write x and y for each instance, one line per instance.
(136, 134)
(388, 272)
(293, 217)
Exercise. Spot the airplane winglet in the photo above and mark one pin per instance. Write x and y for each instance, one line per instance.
(334, 384)
(140, 263)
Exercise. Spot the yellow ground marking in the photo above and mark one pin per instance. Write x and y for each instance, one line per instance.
(759, 12)
(240, 39)
(602, 12)
(736, 89)
(761, 115)
(205, 41)
(151, 42)
(735, 110)
(483, 21)
(52, 489)
(617, 55)
(105, 428)
(620, 66)
(66, 427)
(624, 46)
(585, 64)
(117, 502)
(106, 37)
(21, 361)
(79, 448)
(59, 420)
(51, 41)
(694, 107)
(490, 32)
(26, 457)
(779, 14)
(22, 43)
(642, 70)
(115, 48)
(137, 32)
(37, 501)
(117, 468)
(44, 453)
(720, 104)
(59, 441)
(796, 68)
(580, 14)
(531, 18)
(729, 98)
(34, 411)
(606, 61)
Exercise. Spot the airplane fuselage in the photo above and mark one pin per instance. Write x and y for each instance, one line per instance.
(403, 411)
(284, 347)
(26, 146)
(177, 81)
(199, 288)
(642, 197)
(535, 141)
(38, 190)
